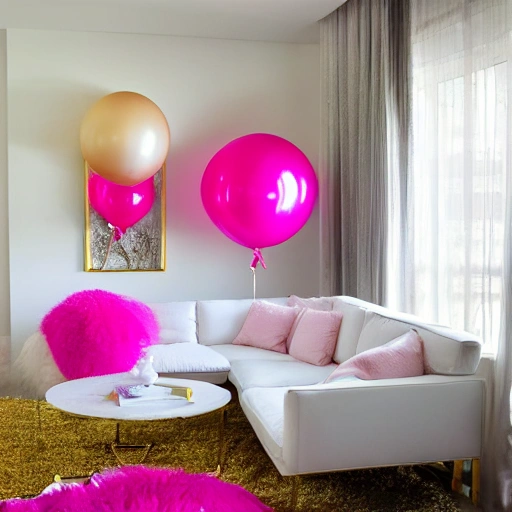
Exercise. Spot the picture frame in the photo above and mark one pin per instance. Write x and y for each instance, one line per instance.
(141, 248)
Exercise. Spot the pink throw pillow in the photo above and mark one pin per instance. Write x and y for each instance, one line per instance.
(320, 303)
(314, 335)
(267, 326)
(96, 332)
(401, 357)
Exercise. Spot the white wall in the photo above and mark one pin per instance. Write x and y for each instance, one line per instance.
(5, 329)
(4, 229)
(211, 91)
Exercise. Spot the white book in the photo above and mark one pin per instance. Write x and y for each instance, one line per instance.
(152, 394)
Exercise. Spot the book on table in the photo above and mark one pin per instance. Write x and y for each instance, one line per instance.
(139, 394)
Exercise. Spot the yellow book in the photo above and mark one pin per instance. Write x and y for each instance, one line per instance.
(182, 391)
(135, 395)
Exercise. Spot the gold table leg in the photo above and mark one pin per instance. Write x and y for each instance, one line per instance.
(221, 451)
(117, 445)
(73, 479)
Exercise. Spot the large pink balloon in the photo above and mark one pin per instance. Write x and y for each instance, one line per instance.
(120, 205)
(259, 190)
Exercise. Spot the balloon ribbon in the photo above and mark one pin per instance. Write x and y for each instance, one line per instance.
(258, 257)
(115, 234)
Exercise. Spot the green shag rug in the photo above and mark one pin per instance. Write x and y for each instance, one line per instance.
(39, 441)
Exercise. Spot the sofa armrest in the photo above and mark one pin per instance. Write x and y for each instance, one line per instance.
(358, 424)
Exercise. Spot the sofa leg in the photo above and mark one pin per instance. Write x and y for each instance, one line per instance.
(295, 490)
(475, 481)
(457, 476)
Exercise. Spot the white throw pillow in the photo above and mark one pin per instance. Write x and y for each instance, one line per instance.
(319, 303)
(219, 321)
(177, 321)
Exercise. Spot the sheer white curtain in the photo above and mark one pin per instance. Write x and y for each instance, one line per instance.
(461, 83)
(459, 193)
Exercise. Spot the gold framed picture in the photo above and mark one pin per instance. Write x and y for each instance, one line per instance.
(124, 226)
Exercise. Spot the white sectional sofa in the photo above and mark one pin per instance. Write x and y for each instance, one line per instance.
(306, 426)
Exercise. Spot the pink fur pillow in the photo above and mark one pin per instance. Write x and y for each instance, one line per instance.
(95, 332)
(401, 357)
(314, 335)
(141, 489)
(267, 326)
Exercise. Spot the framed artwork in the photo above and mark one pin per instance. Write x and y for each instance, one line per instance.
(139, 247)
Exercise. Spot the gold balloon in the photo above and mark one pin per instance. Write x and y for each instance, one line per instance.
(125, 138)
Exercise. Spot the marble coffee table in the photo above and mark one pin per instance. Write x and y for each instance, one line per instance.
(87, 397)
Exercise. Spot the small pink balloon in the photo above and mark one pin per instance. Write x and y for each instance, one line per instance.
(259, 190)
(120, 205)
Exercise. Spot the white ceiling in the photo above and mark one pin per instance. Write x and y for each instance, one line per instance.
(255, 20)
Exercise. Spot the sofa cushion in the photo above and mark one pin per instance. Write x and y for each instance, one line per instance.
(379, 330)
(314, 336)
(187, 358)
(401, 357)
(261, 373)
(447, 352)
(243, 353)
(267, 406)
(266, 326)
(350, 329)
(177, 321)
(219, 321)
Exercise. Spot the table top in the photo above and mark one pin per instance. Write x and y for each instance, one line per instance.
(87, 397)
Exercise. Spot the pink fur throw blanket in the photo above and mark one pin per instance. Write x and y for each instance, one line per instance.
(141, 489)
(95, 332)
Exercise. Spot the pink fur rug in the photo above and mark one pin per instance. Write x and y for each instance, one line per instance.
(141, 489)
(95, 332)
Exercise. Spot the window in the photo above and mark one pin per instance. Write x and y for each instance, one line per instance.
(459, 164)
